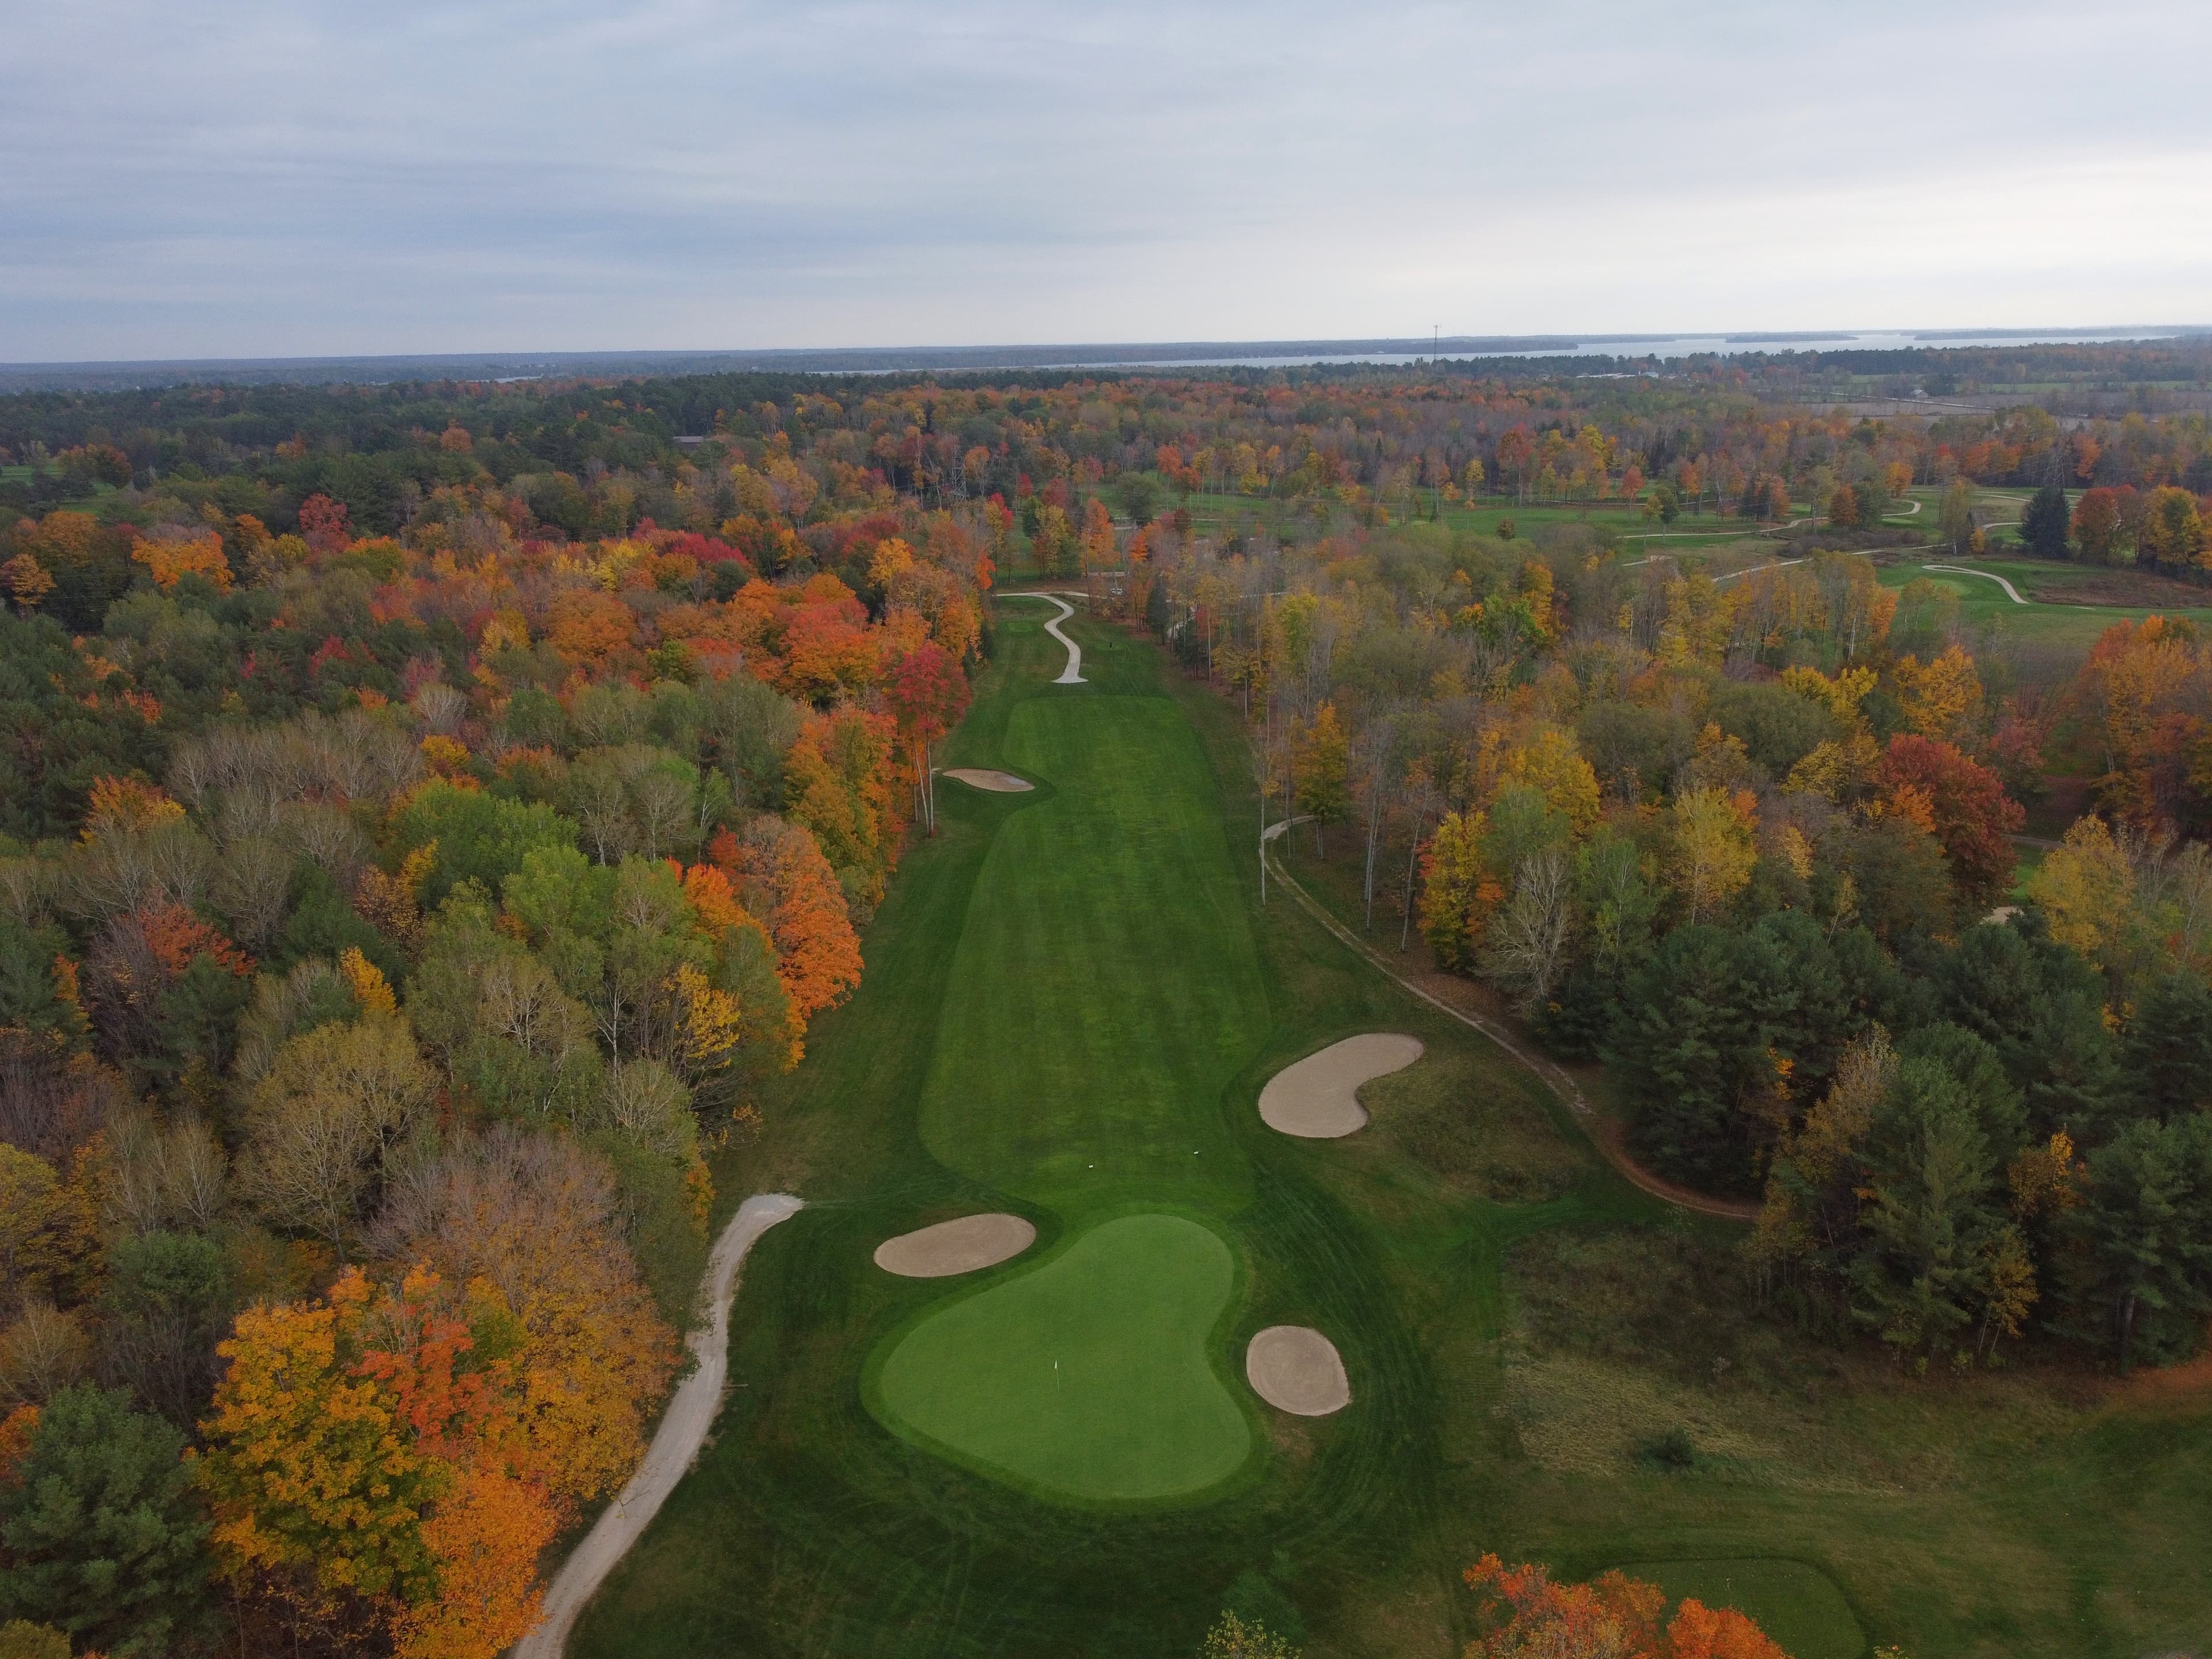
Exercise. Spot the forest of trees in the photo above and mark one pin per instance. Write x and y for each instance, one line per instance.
(1748, 843)
(390, 922)
(428, 813)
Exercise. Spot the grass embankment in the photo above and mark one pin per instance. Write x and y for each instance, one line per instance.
(1530, 1341)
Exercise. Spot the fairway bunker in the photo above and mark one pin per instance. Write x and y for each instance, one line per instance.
(982, 777)
(1295, 1369)
(960, 1246)
(1318, 1099)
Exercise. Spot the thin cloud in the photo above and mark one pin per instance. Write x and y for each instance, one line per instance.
(268, 178)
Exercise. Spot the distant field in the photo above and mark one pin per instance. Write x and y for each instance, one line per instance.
(2067, 605)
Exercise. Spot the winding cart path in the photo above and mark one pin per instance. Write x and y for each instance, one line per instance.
(691, 1412)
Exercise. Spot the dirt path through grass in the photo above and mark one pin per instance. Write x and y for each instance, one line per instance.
(1072, 674)
(683, 1430)
(1604, 1133)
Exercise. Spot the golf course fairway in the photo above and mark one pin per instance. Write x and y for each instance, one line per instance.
(1104, 993)
(1074, 999)
(1088, 1375)
(1105, 988)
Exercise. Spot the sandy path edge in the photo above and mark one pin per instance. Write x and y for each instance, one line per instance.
(1604, 1134)
(690, 1413)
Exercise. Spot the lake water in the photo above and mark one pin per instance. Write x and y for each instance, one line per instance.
(1669, 346)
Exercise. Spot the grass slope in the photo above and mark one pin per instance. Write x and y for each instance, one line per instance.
(1796, 1606)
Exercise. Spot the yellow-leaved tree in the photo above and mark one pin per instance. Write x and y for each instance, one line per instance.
(1714, 849)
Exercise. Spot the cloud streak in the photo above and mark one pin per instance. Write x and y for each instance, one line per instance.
(271, 179)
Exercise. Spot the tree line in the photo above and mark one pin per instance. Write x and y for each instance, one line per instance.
(390, 926)
(1749, 842)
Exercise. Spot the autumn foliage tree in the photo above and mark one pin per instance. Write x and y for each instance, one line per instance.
(365, 1461)
(1530, 1615)
(1970, 812)
(928, 694)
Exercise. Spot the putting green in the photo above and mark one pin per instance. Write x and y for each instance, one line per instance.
(1087, 1377)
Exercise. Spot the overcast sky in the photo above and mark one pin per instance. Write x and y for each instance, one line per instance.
(293, 177)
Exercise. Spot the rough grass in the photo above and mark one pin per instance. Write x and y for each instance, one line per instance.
(1795, 1604)
(1972, 1515)
(1480, 1134)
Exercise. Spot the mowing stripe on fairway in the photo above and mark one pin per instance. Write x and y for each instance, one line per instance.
(1105, 988)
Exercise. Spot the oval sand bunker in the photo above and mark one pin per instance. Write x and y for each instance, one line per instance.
(1318, 1099)
(1296, 1369)
(960, 1246)
(982, 777)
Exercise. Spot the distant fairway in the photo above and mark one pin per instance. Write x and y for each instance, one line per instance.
(1088, 1376)
(1105, 988)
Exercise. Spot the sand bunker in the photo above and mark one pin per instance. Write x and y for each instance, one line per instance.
(1296, 1369)
(956, 1247)
(999, 783)
(1318, 1099)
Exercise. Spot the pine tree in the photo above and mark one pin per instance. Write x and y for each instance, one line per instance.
(2044, 526)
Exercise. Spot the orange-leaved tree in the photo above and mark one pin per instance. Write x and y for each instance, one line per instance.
(363, 1464)
(1531, 1616)
(837, 776)
(1968, 812)
(928, 694)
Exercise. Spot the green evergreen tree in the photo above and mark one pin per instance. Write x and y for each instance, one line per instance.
(2166, 1060)
(103, 1531)
(1933, 1225)
(2143, 1277)
(2044, 526)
